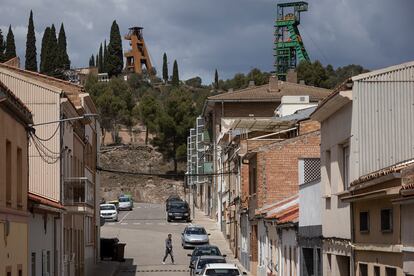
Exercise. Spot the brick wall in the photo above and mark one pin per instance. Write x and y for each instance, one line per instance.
(277, 167)
(308, 126)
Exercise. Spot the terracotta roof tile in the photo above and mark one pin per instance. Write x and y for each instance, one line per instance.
(265, 94)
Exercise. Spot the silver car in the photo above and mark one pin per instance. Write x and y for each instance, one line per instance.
(125, 203)
(194, 235)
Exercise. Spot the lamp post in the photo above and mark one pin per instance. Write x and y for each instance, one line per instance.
(84, 116)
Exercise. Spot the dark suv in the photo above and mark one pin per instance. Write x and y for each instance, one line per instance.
(178, 210)
(170, 200)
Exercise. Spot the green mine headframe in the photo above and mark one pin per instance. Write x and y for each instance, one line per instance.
(289, 48)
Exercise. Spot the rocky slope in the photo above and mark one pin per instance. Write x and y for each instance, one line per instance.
(138, 158)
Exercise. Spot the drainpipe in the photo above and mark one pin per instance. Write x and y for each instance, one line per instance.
(352, 240)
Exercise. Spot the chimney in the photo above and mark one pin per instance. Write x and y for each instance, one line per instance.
(292, 76)
(273, 84)
(251, 83)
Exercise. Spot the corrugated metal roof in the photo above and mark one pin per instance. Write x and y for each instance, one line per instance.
(24, 111)
(384, 72)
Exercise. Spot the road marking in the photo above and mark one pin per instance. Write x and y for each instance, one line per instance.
(111, 223)
(129, 212)
(124, 223)
(161, 223)
(137, 223)
(148, 223)
(174, 223)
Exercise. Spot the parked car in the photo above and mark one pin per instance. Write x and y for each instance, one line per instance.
(109, 212)
(202, 261)
(179, 210)
(170, 200)
(125, 203)
(114, 202)
(219, 269)
(194, 235)
(204, 250)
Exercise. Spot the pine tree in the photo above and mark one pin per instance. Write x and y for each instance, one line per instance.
(63, 61)
(44, 51)
(165, 68)
(175, 78)
(31, 54)
(115, 56)
(216, 80)
(100, 59)
(92, 61)
(10, 45)
(2, 58)
(105, 58)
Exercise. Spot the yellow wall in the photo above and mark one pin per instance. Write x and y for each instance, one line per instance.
(15, 252)
(381, 259)
(375, 236)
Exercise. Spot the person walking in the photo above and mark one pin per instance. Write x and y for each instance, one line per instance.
(168, 249)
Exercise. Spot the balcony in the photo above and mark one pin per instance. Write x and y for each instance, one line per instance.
(78, 191)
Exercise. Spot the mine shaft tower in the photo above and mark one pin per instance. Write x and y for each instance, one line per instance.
(138, 56)
(289, 48)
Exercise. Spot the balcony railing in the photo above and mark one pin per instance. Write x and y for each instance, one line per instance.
(78, 190)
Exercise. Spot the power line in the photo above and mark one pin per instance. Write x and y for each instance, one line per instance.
(160, 174)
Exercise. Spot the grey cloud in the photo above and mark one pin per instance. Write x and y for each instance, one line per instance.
(230, 35)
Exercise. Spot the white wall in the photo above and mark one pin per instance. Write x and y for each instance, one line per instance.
(40, 240)
(310, 209)
(334, 132)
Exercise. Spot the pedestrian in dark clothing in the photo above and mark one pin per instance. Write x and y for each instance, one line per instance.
(168, 249)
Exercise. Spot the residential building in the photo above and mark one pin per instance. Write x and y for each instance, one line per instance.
(310, 217)
(15, 122)
(334, 111)
(63, 184)
(381, 149)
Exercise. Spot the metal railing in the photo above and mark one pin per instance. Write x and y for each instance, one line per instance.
(78, 190)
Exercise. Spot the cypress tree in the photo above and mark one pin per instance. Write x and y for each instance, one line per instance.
(92, 61)
(31, 54)
(1, 47)
(63, 57)
(175, 78)
(216, 79)
(165, 68)
(10, 45)
(53, 54)
(115, 56)
(105, 58)
(44, 51)
(100, 59)
(97, 61)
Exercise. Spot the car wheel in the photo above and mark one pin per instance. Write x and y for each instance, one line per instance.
(169, 220)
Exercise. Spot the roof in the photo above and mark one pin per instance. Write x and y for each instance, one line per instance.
(382, 172)
(265, 93)
(211, 257)
(71, 90)
(286, 211)
(16, 104)
(384, 71)
(44, 201)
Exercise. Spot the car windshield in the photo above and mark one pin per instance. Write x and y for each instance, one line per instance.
(108, 207)
(196, 231)
(202, 263)
(213, 251)
(222, 271)
(124, 199)
(178, 206)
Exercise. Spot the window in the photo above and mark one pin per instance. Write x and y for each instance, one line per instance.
(386, 220)
(8, 270)
(345, 165)
(377, 271)
(363, 269)
(8, 174)
(19, 172)
(33, 264)
(311, 169)
(390, 271)
(19, 270)
(364, 222)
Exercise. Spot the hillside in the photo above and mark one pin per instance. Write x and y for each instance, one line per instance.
(138, 158)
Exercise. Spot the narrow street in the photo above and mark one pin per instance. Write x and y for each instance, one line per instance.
(144, 230)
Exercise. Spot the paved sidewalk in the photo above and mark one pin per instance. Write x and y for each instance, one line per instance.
(106, 268)
(216, 237)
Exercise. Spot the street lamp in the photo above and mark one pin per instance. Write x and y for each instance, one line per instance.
(84, 116)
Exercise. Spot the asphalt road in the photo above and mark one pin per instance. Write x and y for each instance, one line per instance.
(144, 230)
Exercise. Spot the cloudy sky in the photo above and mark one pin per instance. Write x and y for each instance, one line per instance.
(230, 35)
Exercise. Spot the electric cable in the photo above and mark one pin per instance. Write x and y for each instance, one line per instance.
(47, 139)
(159, 174)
